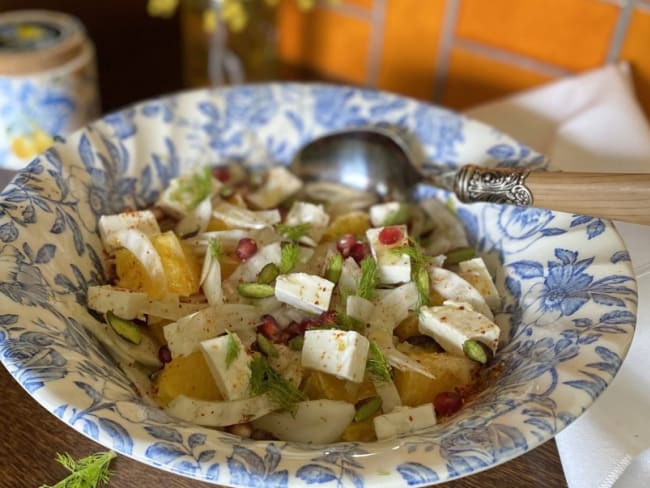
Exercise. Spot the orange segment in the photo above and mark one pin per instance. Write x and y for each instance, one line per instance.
(217, 224)
(360, 432)
(186, 375)
(182, 268)
(451, 373)
(323, 385)
(356, 222)
(407, 328)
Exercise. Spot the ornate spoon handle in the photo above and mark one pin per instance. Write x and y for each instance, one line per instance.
(618, 196)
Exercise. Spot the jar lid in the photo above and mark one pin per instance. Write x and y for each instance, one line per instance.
(33, 41)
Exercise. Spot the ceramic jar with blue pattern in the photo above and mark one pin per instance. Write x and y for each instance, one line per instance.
(48, 82)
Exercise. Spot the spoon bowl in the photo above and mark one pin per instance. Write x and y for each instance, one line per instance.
(369, 160)
(377, 162)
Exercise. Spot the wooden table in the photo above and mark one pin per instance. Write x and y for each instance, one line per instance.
(31, 438)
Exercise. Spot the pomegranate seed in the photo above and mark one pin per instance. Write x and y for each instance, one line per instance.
(359, 251)
(328, 318)
(345, 243)
(270, 329)
(222, 173)
(309, 324)
(246, 248)
(447, 403)
(164, 354)
(294, 329)
(390, 235)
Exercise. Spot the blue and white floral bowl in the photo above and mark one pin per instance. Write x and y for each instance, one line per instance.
(569, 309)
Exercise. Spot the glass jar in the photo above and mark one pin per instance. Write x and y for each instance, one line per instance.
(226, 56)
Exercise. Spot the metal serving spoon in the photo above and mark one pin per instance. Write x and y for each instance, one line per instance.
(378, 162)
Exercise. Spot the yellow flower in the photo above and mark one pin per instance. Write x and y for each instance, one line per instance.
(209, 20)
(162, 8)
(234, 15)
(27, 146)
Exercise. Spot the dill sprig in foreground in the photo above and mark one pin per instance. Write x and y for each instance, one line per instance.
(89, 472)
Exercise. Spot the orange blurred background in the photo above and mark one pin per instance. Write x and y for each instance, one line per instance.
(455, 53)
(462, 52)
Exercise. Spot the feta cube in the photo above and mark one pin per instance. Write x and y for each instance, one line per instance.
(280, 184)
(382, 211)
(475, 272)
(453, 324)
(309, 213)
(337, 352)
(404, 420)
(232, 377)
(307, 292)
(392, 267)
(109, 226)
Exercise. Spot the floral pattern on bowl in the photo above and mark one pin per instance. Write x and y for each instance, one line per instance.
(568, 314)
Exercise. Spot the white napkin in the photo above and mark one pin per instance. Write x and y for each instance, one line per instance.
(592, 122)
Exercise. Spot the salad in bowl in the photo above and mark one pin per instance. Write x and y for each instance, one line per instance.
(169, 290)
(253, 310)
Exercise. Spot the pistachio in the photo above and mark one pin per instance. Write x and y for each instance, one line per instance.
(367, 408)
(266, 346)
(268, 274)
(460, 254)
(296, 343)
(334, 269)
(475, 351)
(255, 290)
(127, 329)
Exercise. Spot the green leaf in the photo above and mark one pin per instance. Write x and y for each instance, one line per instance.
(289, 256)
(214, 247)
(293, 232)
(265, 379)
(377, 364)
(368, 281)
(419, 273)
(89, 472)
(414, 251)
(190, 190)
(232, 349)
